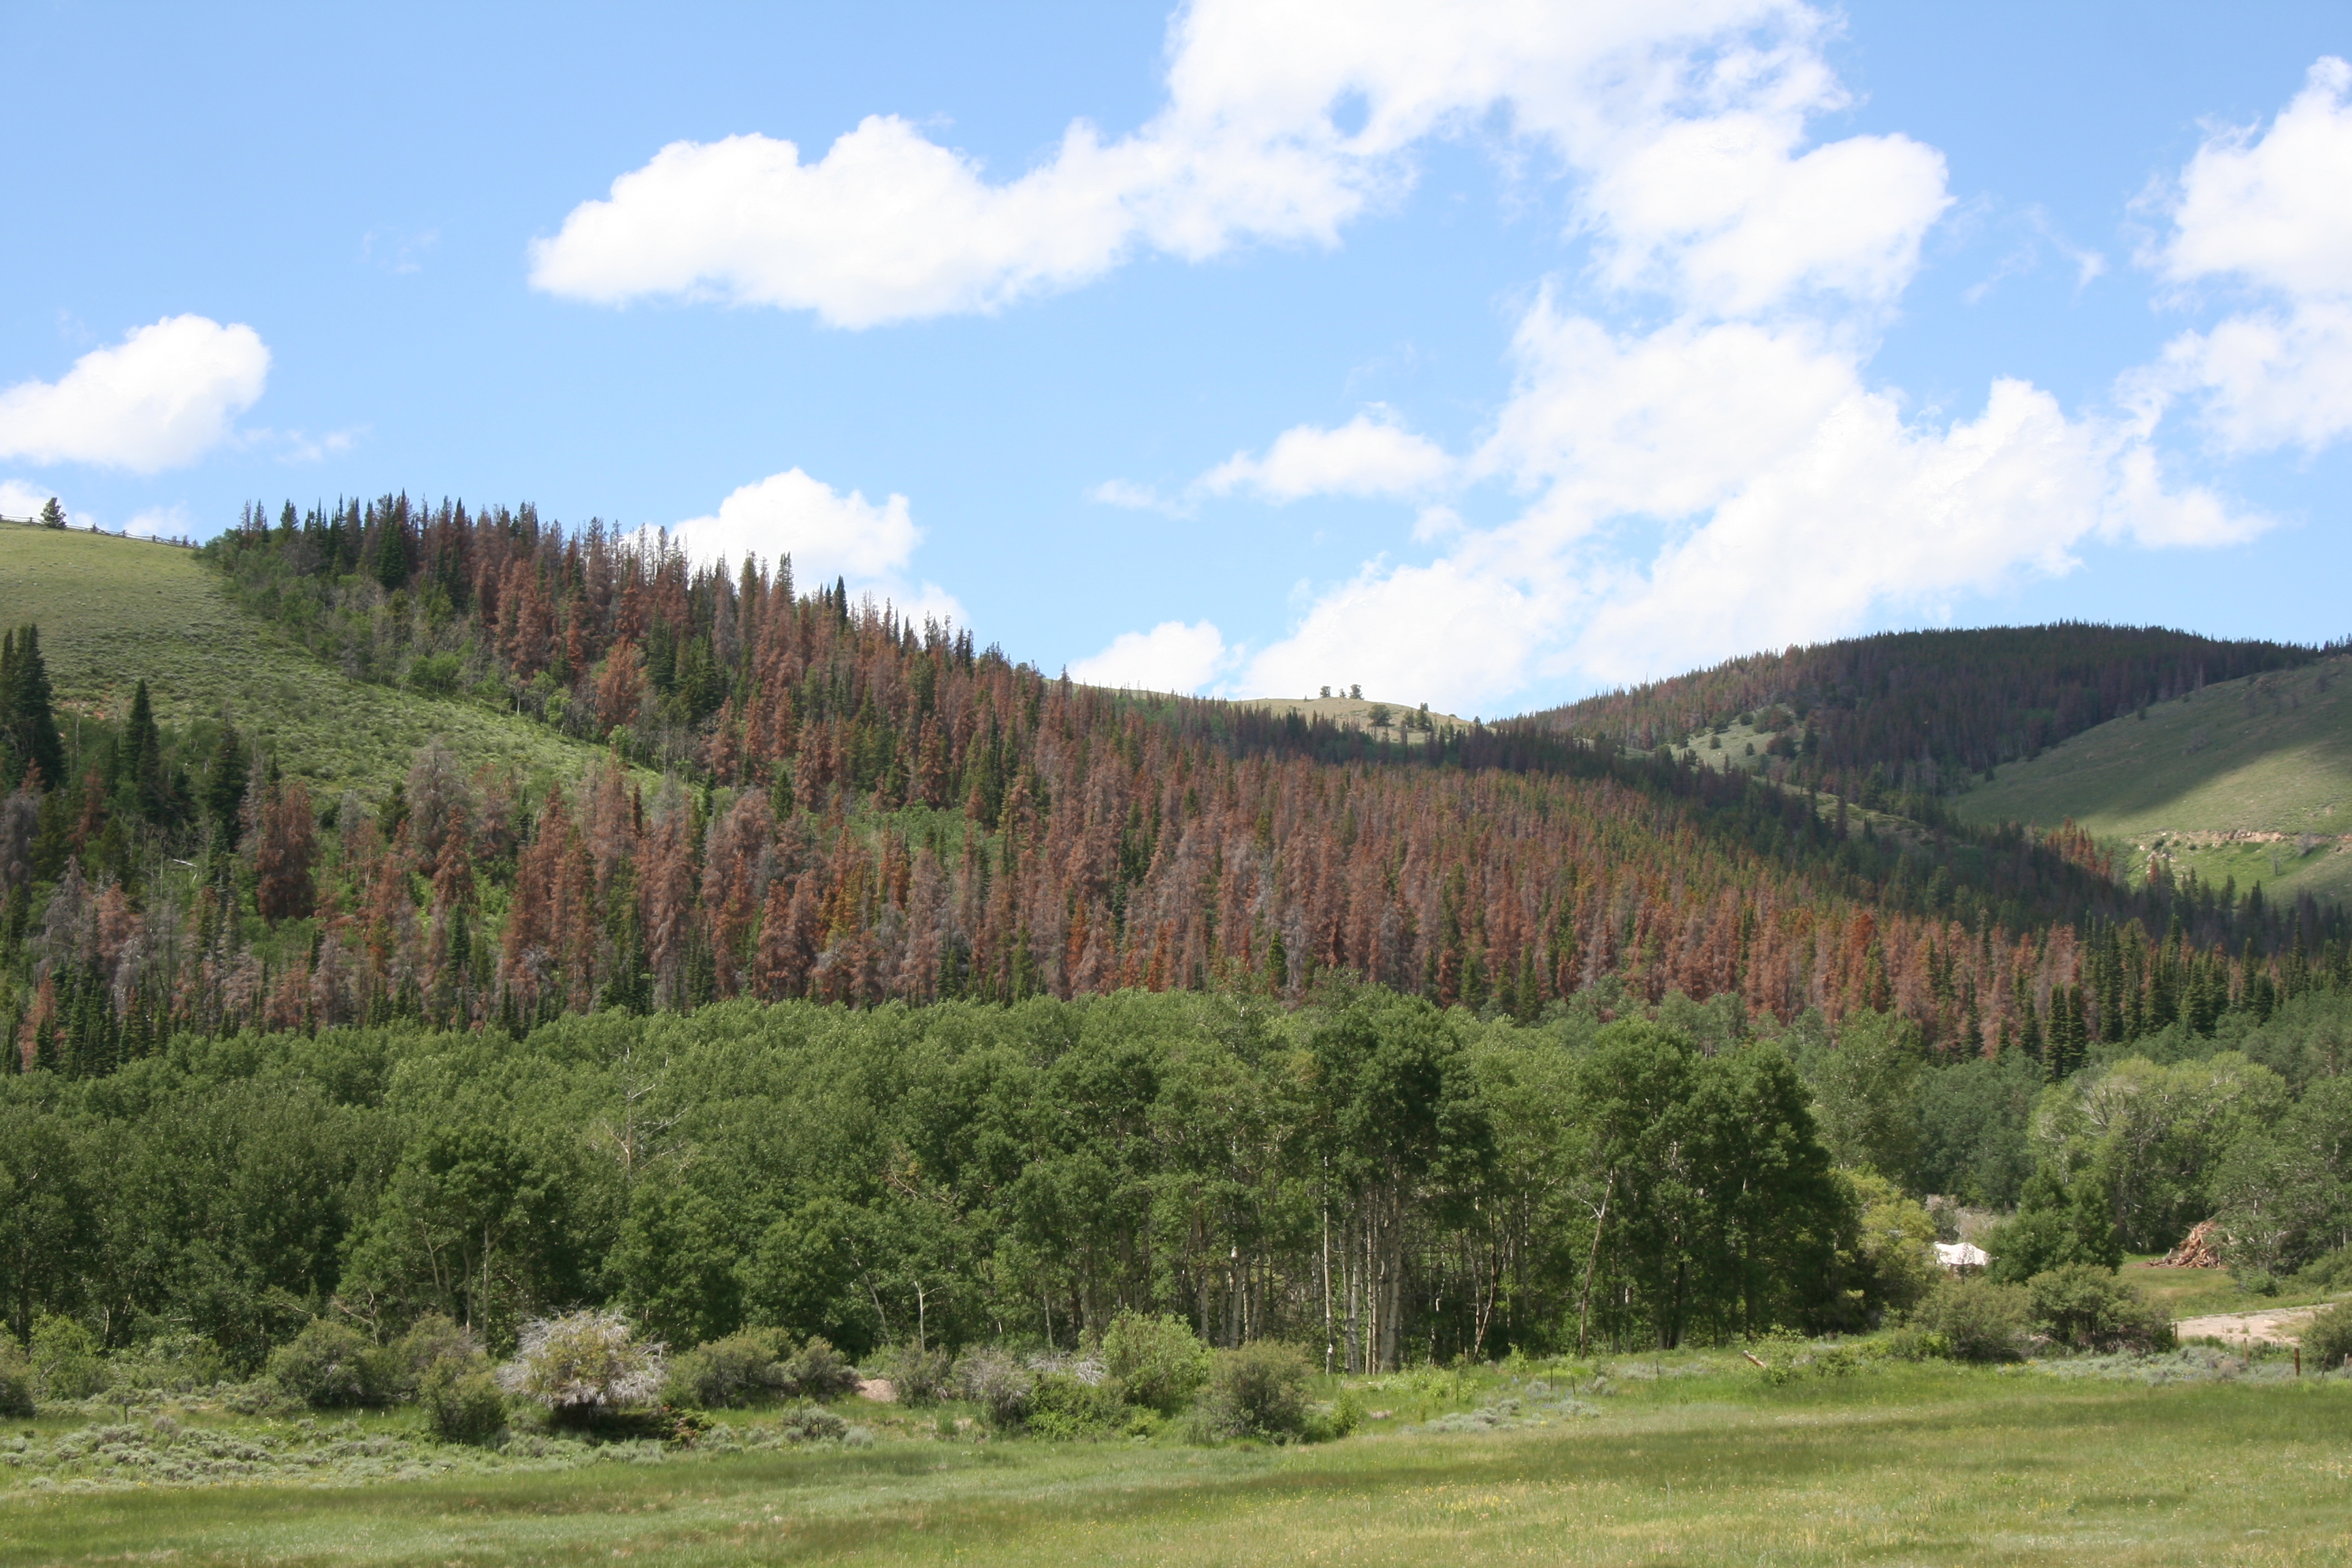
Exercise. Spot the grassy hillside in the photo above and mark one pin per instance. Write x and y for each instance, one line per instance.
(115, 610)
(2249, 778)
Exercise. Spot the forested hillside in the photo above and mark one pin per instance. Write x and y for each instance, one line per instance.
(925, 985)
(859, 810)
(1925, 711)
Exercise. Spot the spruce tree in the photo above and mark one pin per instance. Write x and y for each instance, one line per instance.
(27, 711)
(225, 785)
(137, 774)
(52, 514)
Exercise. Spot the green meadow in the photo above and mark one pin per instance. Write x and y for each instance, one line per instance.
(113, 611)
(2269, 756)
(1683, 1459)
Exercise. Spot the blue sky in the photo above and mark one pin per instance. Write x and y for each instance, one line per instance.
(1484, 355)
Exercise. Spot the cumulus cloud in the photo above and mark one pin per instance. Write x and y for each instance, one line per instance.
(161, 398)
(827, 534)
(1726, 213)
(2272, 212)
(1365, 456)
(1170, 657)
(19, 499)
(160, 522)
(1704, 489)
(1284, 120)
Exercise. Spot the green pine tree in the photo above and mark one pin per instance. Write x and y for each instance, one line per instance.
(29, 710)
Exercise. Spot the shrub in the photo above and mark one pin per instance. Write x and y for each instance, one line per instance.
(330, 1365)
(1918, 1344)
(810, 1423)
(65, 1358)
(582, 1363)
(818, 1371)
(2327, 1339)
(726, 1372)
(2084, 1307)
(462, 1403)
(1978, 1319)
(999, 1385)
(1156, 1361)
(1063, 1406)
(170, 1363)
(15, 1380)
(2328, 1271)
(920, 1377)
(431, 1342)
(1257, 1391)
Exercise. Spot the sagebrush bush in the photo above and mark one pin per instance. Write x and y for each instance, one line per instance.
(2086, 1307)
(1256, 1391)
(330, 1365)
(1978, 1319)
(584, 1362)
(818, 1371)
(920, 1377)
(722, 1373)
(998, 1384)
(16, 1379)
(2327, 1339)
(811, 1423)
(1155, 1362)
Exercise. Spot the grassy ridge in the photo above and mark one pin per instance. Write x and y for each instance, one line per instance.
(115, 610)
(1901, 1463)
(2269, 756)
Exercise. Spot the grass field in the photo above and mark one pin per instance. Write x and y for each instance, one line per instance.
(113, 610)
(1705, 1464)
(2250, 779)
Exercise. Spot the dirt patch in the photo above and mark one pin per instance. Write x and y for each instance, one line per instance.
(2280, 1326)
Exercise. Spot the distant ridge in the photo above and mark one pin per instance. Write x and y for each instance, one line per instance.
(1928, 709)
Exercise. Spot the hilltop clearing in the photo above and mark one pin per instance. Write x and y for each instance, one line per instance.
(114, 611)
(2249, 780)
(1413, 724)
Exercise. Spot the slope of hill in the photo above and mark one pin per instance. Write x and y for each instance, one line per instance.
(2250, 779)
(1928, 709)
(866, 810)
(113, 611)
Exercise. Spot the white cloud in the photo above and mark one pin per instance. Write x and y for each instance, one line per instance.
(2272, 212)
(162, 397)
(1365, 456)
(826, 533)
(1726, 213)
(160, 522)
(1132, 497)
(1170, 657)
(1257, 141)
(1706, 489)
(19, 499)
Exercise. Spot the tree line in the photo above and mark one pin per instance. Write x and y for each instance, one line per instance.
(1373, 1176)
